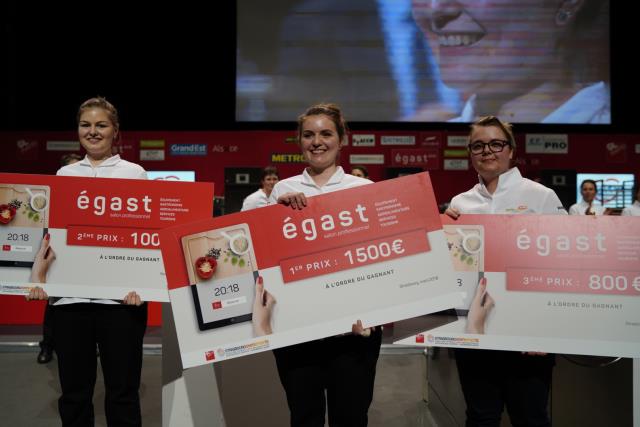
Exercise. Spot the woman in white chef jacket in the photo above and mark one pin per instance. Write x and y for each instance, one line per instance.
(344, 366)
(80, 324)
(493, 379)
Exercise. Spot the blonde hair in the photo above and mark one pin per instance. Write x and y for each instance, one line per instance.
(100, 102)
(488, 121)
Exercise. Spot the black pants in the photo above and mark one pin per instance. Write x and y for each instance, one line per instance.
(344, 366)
(493, 379)
(118, 331)
(47, 327)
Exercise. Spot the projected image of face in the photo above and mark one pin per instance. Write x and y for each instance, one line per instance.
(525, 61)
(514, 55)
(479, 43)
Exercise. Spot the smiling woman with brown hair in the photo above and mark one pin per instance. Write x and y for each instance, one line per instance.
(344, 366)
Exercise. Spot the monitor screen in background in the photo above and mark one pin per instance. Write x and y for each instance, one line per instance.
(420, 60)
(615, 190)
(187, 176)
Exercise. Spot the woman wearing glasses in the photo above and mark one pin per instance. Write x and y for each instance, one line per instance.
(492, 379)
(501, 190)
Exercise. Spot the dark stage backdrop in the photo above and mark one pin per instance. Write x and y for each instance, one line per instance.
(173, 67)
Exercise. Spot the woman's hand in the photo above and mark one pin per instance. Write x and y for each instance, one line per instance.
(481, 305)
(44, 259)
(132, 298)
(358, 329)
(36, 294)
(453, 213)
(295, 200)
(262, 309)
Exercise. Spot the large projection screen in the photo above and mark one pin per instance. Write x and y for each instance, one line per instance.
(527, 61)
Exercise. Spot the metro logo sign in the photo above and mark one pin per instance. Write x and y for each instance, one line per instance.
(287, 158)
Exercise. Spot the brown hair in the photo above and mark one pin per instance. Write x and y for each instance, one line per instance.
(100, 102)
(269, 170)
(589, 181)
(488, 121)
(364, 170)
(330, 110)
(70, 158)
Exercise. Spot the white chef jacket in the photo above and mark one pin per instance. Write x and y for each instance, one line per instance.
(255, 200)
(589, 105)
(632, 210)
(514, 195)
(581, 207)
(113, 167)
(305, 184)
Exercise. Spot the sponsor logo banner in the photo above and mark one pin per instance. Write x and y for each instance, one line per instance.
(456, 153)
(63, 145)
(152, 155)
(366, 159)
(287, 158)
(152, 143)
(27, 149)
(457, 141)
(430, 139)
(539, 143)
(188, 149)
(398, 140)
(420, 157)
(616, 152)
(363, 140)
(456, 164)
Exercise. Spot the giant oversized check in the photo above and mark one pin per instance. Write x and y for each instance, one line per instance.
(103, 232)
(375, 253)
(562, 284)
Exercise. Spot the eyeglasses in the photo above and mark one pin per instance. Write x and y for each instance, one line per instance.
(495, 146)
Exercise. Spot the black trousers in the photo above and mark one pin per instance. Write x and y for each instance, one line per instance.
(494, 379)
(344, 366)
(47, 327)
(118, 331)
